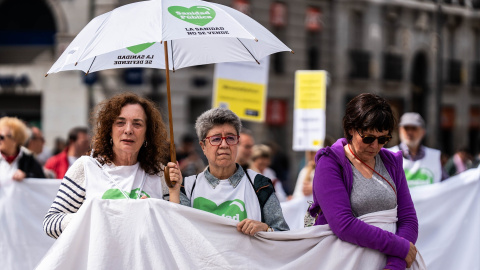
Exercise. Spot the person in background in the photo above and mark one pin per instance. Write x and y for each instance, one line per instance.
(304, 186)
(459, 162)
(280, 165)
(60, 145)
(126, 162)
(36, 141)
(244, 195)
(245, 146)
(261, 159)
(190, 162)
(16, 162)
(78, 145)
(355, 177)
(422, 165)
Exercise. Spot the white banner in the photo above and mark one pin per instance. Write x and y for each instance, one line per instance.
(22, 208)
(156, 234)
(144, 234)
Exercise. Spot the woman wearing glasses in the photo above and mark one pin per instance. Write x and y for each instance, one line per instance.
(16, 162)
(355, 177)
(224, 188)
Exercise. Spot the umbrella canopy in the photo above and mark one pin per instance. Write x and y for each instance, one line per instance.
(191, 33)
(197, 33)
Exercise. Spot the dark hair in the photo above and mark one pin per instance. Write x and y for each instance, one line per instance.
(151, 157)
(368, 112)
(73, 133)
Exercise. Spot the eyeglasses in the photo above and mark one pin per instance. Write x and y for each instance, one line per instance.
(369, 139)
(2, 137)
(217, 140)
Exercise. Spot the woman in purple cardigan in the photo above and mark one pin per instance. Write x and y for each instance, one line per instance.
(355, 176)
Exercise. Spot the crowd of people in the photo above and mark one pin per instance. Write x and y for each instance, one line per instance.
(125, 156)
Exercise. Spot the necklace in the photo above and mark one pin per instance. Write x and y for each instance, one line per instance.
(371, 169)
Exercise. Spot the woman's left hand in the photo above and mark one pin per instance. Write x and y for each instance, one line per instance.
(18, 175)
(251, 227)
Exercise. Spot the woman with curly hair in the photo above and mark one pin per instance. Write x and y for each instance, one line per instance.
(126, 162)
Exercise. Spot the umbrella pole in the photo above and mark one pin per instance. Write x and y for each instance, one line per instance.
(173, 156)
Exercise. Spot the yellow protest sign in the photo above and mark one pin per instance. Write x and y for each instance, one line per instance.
(242, 88)
(245, 99)
(310, 87)
(309, 110)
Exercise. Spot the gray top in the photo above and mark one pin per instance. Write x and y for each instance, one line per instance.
(272, 211)
(372, 194)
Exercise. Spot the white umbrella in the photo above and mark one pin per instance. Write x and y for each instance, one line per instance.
(196, 32)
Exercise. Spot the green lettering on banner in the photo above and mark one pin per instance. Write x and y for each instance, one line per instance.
(230, 209)
(116, 194)
(198, 15)
(140, 47)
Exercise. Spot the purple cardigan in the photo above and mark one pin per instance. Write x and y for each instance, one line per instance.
(332, 186)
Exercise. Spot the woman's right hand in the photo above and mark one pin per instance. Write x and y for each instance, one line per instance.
(18, 175)
(411, 256)
(175, 176)
(176, 179)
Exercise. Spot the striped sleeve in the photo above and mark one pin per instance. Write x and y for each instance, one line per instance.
(70, 197)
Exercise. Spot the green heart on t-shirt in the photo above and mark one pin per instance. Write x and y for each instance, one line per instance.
(198, 15)
(115, 194)
(231, 209)
(422, 174)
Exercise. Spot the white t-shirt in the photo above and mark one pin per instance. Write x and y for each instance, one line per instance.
(425, 171)
(236, 203)
(119, 182)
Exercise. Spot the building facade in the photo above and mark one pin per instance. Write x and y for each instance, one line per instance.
(422, 56)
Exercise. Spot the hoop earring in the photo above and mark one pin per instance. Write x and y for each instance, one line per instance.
(111, 141)
(145, 144)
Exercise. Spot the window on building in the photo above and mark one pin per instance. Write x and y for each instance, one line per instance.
(313, 26)
(27, 29)
(357, 30)
(390, 29)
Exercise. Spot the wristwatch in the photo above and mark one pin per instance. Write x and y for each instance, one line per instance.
(270, 229)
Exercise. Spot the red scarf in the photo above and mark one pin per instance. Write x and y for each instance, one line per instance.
(10, 159)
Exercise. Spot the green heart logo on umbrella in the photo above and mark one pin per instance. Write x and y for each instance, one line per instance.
(231, 209)
(116, 194)
(140, 47)
(198, 15)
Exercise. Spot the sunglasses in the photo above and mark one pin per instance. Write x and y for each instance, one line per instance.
(217, 140)
(2, 137)
(369, 139)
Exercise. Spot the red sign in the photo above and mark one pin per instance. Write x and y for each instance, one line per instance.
(278, 14)
(242, 6)
(448, 117)
(313, 20)
(276, 112)
(474, 117)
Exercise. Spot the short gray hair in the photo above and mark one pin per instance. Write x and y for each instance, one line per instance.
(214, 117)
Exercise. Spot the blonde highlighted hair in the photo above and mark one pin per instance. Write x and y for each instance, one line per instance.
(18, 129)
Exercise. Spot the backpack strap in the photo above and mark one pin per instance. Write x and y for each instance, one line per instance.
(182, 187)
(263, 187)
